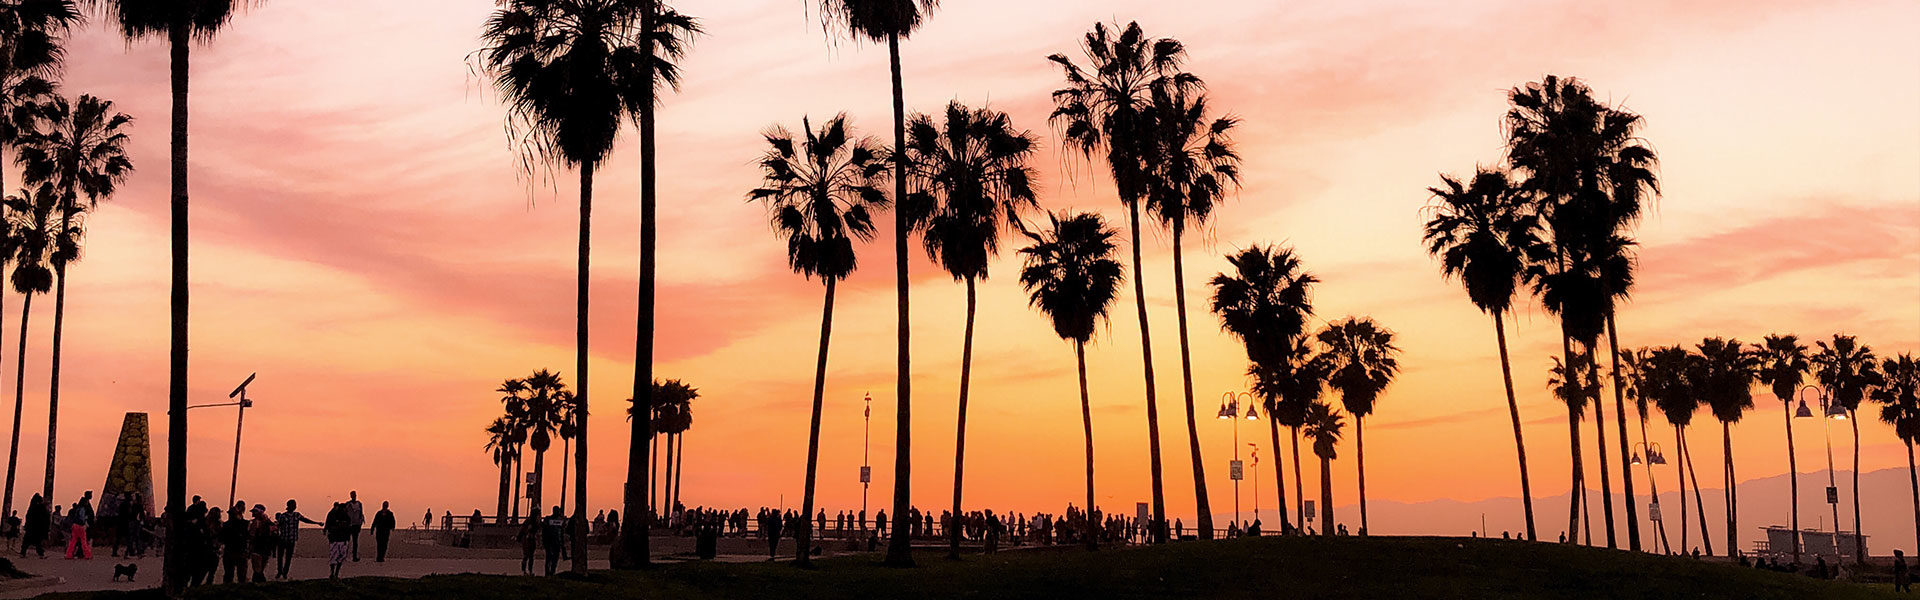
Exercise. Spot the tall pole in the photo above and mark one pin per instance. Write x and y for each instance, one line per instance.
(1236, 460)
(233, 485)
(1256, 482)
(1833, 497)
(866, 466)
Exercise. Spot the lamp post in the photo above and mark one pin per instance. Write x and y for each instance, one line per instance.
(1801, 413)
(1230, 410)
(866, 468)
(1832, 412)
(1653, 457)
(1255, 450)
(233, 484)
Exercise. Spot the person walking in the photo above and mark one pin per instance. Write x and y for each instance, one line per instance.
(288, 526)
(383, 525)
(234, 536)
(529, 537)
(426, 522)
(78, 518)
(1902, 579)
(355, 519)
(263, 540)
(33, 534)
(551, 532)
(340, 529)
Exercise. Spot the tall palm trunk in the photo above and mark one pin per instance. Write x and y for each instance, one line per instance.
(1600, 445)
(1793, 469)
(1733, 491)
(1279, 471)
(173, 575)
(653, 475)
(666, 483)
(1086, 421)
(1513, 410)
(566, 461)
(1299, 508)
(1620, 412)
(1326, 497)
(506, 486)
(579, 412)
(519, 470)
(1360, 462)
(1914, 480)
(1680, 475)
(19, 398)
(1859, 541)
(633, 546)
(1577, 493)
(53, 383)
(960, 434)
(679, 464)
(537, 488)
(1186, 378)
(899, 548)
(805, 524)
(1699, 505)
(1159, 525)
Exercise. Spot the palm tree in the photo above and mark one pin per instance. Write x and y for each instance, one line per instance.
(1070, 275)
(1294, 382)
(973, 180)
(1361, 361)
(1633, 367)
(543, 407)
(1728, 391)
(822, 191)
(1567, 382)
(1591, 174)
(673, 417)
(665, 35)
(514, 402)
(500, 444)
(32, 217)
(1783, 367)
(1195, 166)
(1481, 232)
(1323, 427)
(567, 431)
(1266, 302)
(889, 21)
(32, 34)
(1671, 375)
(1848, 370)
(1107, 108)
(1900, 395)
(83, 153)
(181, 22)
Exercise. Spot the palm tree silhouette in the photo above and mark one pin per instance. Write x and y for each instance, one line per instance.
(1195, 166)
(566, 431)
(1482, 232)
(822, 191)
(673, 417)
(31, 215)
(889, 21)
(542, 409)
(1070, 276)
(1265, 302)
(1900, 395)
(32, 38)
(1323, 427)
(1361, 361)
(1848, 369)
(1727, 390)
(83, 152)
(1107, 108)
(664, 35)
(1672, 374)
(1568, 382)
(971, 171)
(1783, 367)
(1633, 375)
(513, 402)
(503, 449)
(181, 22)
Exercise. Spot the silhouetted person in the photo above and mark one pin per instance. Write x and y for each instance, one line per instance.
(339, 527)
(771, 527)
(79, 520)
(529, 537)
(33, 534)
(551, 530)
(288, 524)
(880, 521)
(233, 544)
(1820, 567)
(1902, 581)
(426, 522)
(262, 541)
(383, 525)
(356, 518)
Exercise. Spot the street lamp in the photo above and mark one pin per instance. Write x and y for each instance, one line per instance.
(1653, 457)
(866, 467)
(241, 392)
(1254, 449)
(1230, 410)
(1834, 412)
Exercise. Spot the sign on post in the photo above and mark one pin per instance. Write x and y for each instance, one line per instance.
(1653, 510)
(1309, 504)
(1234, 470)
(866, 474)
(1833, 495)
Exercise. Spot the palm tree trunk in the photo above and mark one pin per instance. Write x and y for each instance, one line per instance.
(1620, 412)
(805, 523)
(1859, 541)
(1186, 377)
(1793, 468)
(1159, 525)
(1360, 462)
(1680, 475)
(538, 487)
(1733, 491)
(1600, 443)
(960, 434)
(633, 549)
(899, 548)
(19, 399)
(1326, 497)
(653, 475)
(666, 483)
(1299, 508)
(1086, 422)
(679, 463)
(1914, 481)
(506, 485)
(173, 571)
(1279, 471)
(1513, 410)
(1574, 495)
(1699, 505)
(519, 470)
(53, 383)
(580, 412)
(566, 461)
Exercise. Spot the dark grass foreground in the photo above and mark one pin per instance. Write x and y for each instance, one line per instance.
(1390, 567)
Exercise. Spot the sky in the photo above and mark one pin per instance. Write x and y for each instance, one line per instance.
(366, 241)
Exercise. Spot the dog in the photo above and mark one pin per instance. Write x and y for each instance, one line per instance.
(127, 570)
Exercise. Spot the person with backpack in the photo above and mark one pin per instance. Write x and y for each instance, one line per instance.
(263, 540)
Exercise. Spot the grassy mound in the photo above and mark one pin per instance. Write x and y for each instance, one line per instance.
(1381, 567)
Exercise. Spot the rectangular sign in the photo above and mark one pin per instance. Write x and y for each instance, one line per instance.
(866, 474)
(1833, 495)
(1234, 470)
(1309, 504)
(1653, 510)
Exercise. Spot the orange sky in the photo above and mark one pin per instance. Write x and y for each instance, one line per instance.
(364, 241)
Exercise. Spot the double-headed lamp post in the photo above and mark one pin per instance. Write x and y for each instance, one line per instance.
(1834, 412)
(866, 468)
(1653, 457)
(233, 484)
(1230, 410)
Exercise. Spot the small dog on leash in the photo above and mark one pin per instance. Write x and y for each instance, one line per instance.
(127, 570)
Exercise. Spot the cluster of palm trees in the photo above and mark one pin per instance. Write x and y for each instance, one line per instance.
(72, 152)
(1557, 219)
(536, 410)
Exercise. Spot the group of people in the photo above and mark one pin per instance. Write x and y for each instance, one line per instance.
(119, 522)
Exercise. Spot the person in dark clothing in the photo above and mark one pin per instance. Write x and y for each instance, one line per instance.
(771, 526)
(262, 540)
(233, 542)
(1902, 580)
(552, 529)
(340, 529)
(34, 533)
(529, 538)
(383, 525)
